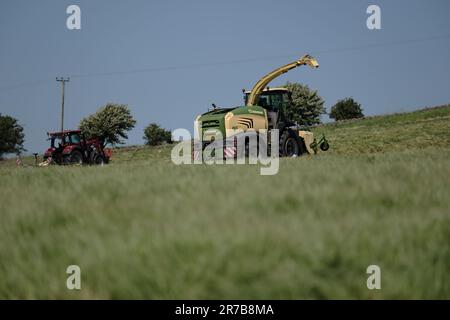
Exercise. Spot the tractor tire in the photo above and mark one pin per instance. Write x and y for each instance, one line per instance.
(76, 157)
(291, 145)
(66, 159)
(98, 159)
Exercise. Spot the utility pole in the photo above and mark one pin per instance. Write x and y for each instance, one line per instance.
(63, 83)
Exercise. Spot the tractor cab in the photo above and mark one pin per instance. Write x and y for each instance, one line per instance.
(274, 100)
(69, 140)
(63, 143)
(66, 138)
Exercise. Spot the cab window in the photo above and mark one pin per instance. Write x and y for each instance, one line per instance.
(75, 138)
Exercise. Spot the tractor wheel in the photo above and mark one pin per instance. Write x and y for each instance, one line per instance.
(76, 157)
(66, 159)
(98, 159)
(291, 145)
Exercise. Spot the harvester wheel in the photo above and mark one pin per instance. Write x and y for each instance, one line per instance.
(76, 157)
(247, 146)
(324, 146)
(291, 145)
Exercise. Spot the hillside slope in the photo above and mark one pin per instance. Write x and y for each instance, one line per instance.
(405, 131)
(420, 129)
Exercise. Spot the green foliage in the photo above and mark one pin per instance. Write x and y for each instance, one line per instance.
(306, 106)
(111, 122)
(155, 135)
(11, 136)
(346, 109)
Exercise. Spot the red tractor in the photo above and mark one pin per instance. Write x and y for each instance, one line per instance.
(71, 147)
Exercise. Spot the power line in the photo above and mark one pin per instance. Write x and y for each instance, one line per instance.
(26, 84)
(219, 63)
(231, 62)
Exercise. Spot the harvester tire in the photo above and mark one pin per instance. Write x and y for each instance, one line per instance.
(324, 146)
(247, 145)
(291, 145)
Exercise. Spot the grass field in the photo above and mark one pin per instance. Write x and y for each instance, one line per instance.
(142, 227)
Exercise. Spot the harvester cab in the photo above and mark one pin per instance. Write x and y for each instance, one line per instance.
(274, 101)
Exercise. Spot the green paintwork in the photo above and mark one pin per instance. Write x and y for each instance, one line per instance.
(215, 119)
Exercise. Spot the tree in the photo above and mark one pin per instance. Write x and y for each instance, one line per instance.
(110, 123)
(155, 135)
(306, 106)
(11, 136)
(346, 109)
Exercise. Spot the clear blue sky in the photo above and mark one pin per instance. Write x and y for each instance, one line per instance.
(196, 37)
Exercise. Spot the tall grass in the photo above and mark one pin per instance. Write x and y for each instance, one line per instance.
(142, 227)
